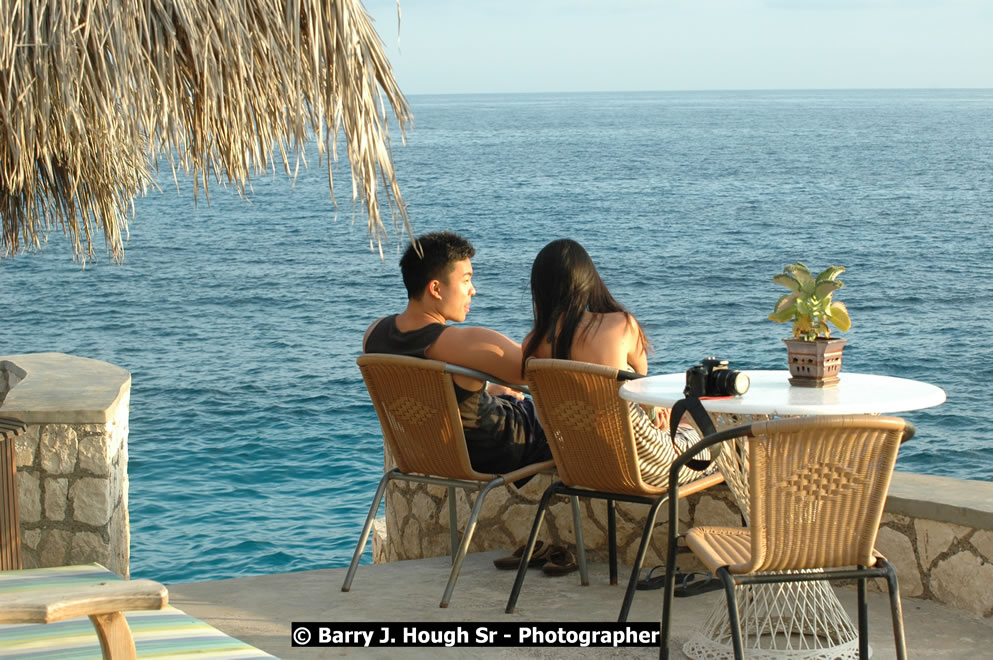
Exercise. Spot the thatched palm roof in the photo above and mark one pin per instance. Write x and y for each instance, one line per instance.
(93, 92)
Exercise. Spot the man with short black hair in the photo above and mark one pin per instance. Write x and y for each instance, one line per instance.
(501, 428)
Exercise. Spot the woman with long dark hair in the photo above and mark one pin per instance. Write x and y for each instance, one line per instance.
(577, 318)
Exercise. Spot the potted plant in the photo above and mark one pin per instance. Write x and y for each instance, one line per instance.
(814, 357)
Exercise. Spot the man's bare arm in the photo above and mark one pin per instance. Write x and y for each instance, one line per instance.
(482, 349)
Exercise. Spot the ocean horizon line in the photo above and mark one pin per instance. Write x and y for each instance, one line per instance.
(411, 95)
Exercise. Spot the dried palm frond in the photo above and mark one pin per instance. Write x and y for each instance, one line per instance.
(93, 92)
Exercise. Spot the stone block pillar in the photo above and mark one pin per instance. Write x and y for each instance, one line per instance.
(72, 461)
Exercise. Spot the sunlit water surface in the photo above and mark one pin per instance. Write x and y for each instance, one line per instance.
(253, 446)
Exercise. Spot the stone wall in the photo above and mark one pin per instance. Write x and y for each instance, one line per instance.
(416, 521)
(937, 532)
(72, 461)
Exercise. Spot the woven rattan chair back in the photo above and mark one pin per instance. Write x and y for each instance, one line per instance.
(587, 425)
(818, 487)
(415, 401)
(419, 414)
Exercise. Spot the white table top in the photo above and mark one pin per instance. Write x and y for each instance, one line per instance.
(771, 394)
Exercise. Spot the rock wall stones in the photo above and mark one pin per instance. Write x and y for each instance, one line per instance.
(946, 562)
(416, 521)
(72, 491)
(938, 560)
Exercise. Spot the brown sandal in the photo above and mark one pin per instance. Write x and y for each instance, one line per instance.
(561, 561)
(538, 557)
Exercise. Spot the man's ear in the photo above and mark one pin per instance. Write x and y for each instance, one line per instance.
(434, 289)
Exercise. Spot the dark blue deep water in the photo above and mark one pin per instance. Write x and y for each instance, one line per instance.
(253, 447)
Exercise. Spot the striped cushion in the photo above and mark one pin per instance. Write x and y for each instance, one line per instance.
(167, 633)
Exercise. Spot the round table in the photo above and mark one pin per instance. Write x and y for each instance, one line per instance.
(771, 394)
(795, 619)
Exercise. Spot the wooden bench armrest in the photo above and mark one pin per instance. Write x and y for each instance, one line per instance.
(50, 605)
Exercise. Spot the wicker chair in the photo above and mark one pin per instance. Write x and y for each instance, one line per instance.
(817, 490)
(589, 432)
(415, 401)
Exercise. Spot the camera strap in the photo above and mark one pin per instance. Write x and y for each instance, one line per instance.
(692, 405)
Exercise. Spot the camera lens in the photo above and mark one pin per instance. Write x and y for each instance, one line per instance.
(728, 382)
(740, 382)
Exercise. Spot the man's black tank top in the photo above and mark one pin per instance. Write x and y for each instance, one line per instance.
(387, 338)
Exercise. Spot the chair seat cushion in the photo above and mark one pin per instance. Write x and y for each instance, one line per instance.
(166, 633)
(721, 546)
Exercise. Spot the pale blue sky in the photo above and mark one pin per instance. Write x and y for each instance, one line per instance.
(468, 46)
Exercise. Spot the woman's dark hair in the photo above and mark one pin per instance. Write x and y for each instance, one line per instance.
(564, 284)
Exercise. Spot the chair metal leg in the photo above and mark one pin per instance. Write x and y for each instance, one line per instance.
(470, 529)
(522, 570)
(668, 591)
(896, 610)
(733, 621)
(577, 525)
(366, 528)
(612, 543)
(863, 612)
(453, 521)
(669, 586)
(646, 538)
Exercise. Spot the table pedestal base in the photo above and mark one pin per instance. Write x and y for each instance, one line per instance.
(790, 620)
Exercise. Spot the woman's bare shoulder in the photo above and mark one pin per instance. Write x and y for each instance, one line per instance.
(616, 323)
(601, 339)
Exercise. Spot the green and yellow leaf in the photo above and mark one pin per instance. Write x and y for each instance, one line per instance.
(838, 314)
(830, 273)
(782, 316)
(827, 287)
(786, 301)
(787, 280)
(803, 276)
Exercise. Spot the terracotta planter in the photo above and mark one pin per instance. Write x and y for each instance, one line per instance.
(814, 363)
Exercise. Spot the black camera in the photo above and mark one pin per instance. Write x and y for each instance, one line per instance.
(713, 378)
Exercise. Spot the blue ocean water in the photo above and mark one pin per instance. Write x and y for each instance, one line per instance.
(253, 447)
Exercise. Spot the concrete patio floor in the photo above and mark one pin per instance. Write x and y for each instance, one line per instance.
(259, 610)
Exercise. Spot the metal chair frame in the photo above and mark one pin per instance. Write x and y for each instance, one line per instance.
(559, 488)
